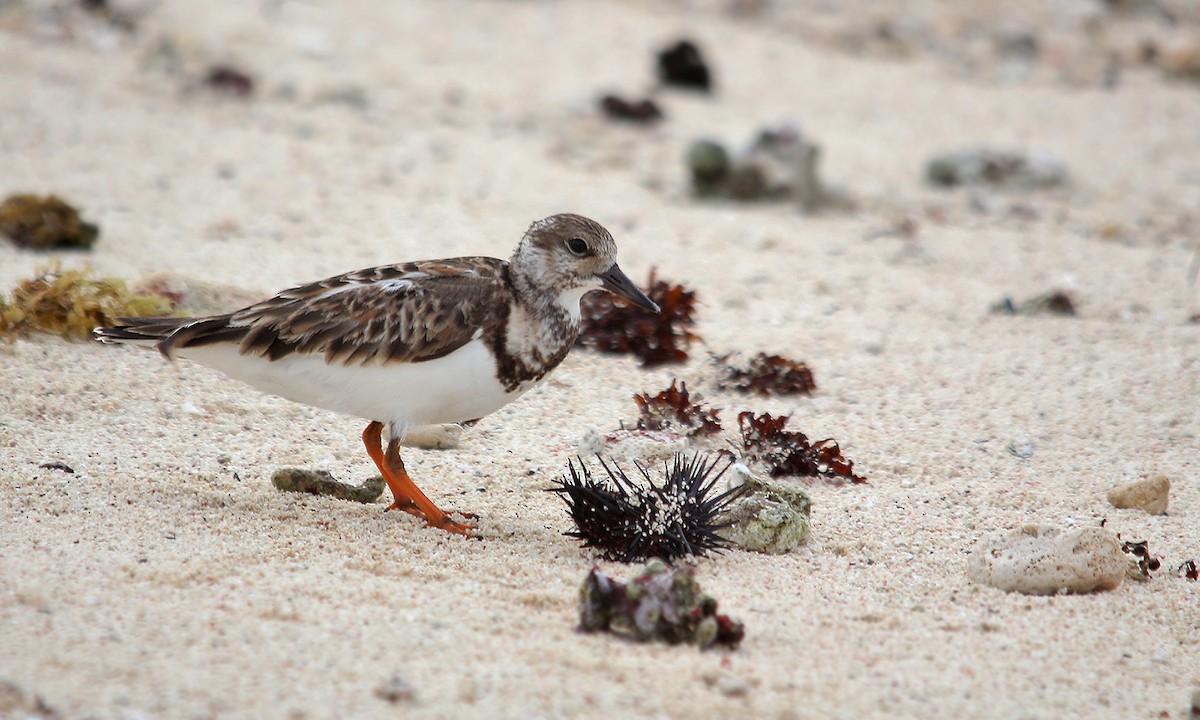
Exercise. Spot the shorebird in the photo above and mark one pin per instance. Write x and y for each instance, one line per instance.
(410, 344)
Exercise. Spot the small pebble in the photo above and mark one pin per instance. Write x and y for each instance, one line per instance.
(681, 65)
(1023, 450)
(639, 111)
(1149, 494)
(1054, 302)
(1045, 560)
(230, 80)
(731, 686)
(396, 690)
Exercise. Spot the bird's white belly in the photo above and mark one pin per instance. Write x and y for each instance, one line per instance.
(454, 388)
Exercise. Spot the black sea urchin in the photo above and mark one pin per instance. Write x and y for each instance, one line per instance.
(629, 522)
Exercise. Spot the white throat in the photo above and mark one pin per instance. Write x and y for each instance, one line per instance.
(569, 300)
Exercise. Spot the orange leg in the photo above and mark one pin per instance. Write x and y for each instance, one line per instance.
(406, 495)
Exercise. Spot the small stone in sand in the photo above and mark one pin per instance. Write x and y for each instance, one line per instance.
(319, 482)
(770, 518)
(681, 65)
(638, 111)
(709, 164)
(396, 690)
(999, 168)
(1054, 302)
(1045, 560)
(1149, 494)
(1142, 563)
(230, 80)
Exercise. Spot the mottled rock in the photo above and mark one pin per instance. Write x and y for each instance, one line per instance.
(660, 603)
(1044, 560)
(1149, 494)
(780, 164)
(319, 482)
(771, 518)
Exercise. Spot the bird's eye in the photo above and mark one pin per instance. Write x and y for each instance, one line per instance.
(577, 246)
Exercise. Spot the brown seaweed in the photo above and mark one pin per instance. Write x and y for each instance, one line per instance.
(767, 375)
(674, 408)
(613, 325)
(790, 453)
(45, 223)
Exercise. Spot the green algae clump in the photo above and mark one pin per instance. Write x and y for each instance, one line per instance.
(70, 303)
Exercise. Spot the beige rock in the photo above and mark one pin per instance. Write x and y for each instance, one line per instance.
(1044, 560)
(1149, 494)
(434, 437)
(1179, 55)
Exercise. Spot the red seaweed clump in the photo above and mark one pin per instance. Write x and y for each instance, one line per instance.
(675, 407)
(613, 325)
(768, 375)
(790, 453)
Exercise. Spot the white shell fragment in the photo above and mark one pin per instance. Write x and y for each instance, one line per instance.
(1045, 560)
(1149, 494)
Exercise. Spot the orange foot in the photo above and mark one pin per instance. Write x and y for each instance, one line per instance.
(405, 493)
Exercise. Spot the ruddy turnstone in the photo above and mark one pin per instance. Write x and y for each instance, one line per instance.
(417, 343)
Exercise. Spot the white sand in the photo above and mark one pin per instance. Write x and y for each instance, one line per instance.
(167, 578)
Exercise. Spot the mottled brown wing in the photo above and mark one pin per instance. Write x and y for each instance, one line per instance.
(395, 313)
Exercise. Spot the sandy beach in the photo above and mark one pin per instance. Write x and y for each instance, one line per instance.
(165, 577)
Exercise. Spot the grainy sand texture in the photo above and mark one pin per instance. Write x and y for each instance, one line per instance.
(167, 578)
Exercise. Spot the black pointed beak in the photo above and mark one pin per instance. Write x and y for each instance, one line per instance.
(617, 283)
